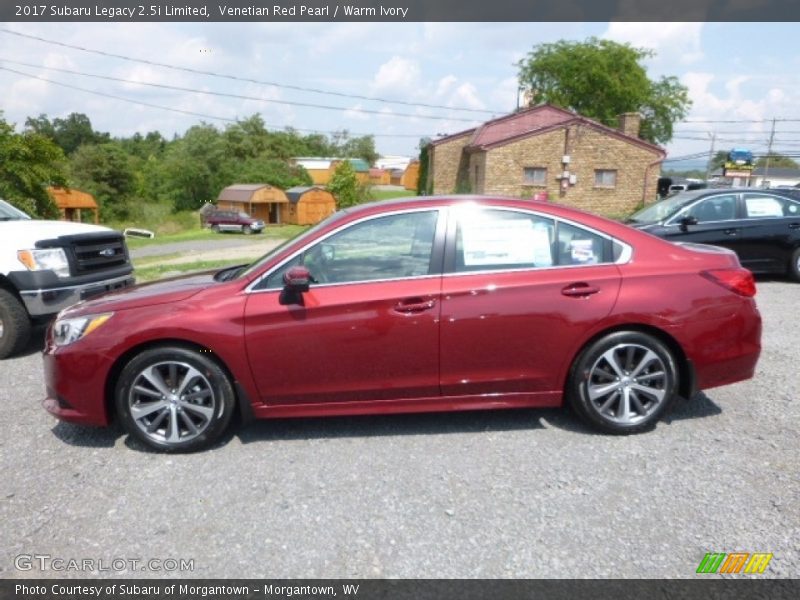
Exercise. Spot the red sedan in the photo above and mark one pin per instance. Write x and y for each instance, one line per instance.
(428, 304)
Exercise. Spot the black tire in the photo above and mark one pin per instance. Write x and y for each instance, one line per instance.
(166, 420)
(15, 326)
(794, 265)
(247, 230)
(215, 228)
(623, 383)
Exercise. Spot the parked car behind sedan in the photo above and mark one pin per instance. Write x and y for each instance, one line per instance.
(233, 220)
(414, 305)
(761, 226)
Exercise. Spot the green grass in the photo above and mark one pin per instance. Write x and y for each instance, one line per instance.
(150, 273)
(389, 194)
(271, 232)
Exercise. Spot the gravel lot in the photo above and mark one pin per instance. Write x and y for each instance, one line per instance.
(528, 493)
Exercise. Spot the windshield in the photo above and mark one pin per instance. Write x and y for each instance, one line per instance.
(660, 210)
(10, 213)
(298, 238)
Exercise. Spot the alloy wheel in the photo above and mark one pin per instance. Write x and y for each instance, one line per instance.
(627, 383)
(171, 402)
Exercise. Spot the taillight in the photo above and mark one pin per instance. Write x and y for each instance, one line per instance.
(739, 281)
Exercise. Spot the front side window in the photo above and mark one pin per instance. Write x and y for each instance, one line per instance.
(390, 247)
(759, 206)
(605, 178)
(714, 208)
(534, 176)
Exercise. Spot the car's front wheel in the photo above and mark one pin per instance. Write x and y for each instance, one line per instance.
(247, 229)
(174, 399)
(794, 265)
(623, 382)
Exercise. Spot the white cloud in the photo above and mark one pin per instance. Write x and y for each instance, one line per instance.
(399, 76)
(671, 42)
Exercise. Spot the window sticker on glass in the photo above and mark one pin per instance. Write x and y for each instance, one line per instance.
(763, 207)
(582, 251)
(507, 242)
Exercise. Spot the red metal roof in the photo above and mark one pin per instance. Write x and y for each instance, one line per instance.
(517, 124)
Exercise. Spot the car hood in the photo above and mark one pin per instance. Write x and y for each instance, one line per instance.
(164, 291)
(24, 234)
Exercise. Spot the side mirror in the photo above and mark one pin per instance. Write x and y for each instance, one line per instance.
(297, 279)
(684, 222)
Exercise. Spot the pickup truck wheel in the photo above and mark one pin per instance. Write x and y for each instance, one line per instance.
(174, 399)
(15, 326)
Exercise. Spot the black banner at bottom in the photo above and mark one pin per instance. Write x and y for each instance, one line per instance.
(398, 589)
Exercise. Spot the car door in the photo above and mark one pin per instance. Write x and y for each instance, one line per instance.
(368, 329)
(770, 231)
(519, 292)
(717, 222)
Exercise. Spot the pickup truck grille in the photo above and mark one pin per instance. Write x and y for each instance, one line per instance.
(92, 253)
(98, 254)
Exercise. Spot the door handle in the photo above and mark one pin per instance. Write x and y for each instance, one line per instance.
(414, 305)
(730, 231)
(794, 225)
(579, 290)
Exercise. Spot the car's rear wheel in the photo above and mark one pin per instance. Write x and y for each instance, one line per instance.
(174, 399)
(215, 228)
(794, 265)
(624, 382)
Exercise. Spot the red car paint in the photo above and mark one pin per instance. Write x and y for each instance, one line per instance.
(444, 341)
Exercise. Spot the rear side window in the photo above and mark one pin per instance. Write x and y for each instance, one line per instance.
(503, 240)
(760, 206)
(498, 239)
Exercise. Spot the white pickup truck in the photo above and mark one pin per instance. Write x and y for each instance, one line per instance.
(46, 266)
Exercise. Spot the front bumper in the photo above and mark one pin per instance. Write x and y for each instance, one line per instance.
(49, 301)
(75, 385)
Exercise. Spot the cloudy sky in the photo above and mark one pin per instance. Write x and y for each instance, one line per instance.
(734, 71)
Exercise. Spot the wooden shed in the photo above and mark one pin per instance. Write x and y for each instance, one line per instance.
(307, 205)
(410, 176)
(259, 200)
(379, 176)
(70, 203)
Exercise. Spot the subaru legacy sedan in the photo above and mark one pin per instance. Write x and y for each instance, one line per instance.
(761, 226)
(414, 305)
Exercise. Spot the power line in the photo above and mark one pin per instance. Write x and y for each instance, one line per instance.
(241, 96)
(192, 113)
(246, 79)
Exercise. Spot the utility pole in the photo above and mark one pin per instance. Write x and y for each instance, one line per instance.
(710, 156)
(769, 153)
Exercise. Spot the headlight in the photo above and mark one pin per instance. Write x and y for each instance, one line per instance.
(46, 259)
(66, 331)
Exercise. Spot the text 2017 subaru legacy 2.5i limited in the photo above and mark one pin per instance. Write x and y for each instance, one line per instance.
(428, 304)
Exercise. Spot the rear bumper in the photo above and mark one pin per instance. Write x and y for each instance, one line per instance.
(723, 350)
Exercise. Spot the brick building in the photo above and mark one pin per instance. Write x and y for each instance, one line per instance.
(545, 149)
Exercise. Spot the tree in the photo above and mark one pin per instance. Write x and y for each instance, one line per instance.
(105, 171)
(601, 79)
(29, 162)
(69, 133)
(274, 171)
(777, 161)
(344, 185)
(422, 182)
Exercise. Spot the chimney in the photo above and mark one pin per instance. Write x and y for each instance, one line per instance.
(630, 123)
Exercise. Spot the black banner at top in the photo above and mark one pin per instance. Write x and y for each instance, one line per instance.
(398, 10)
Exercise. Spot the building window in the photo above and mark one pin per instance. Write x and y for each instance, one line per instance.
(534, 176)
(605, 178)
